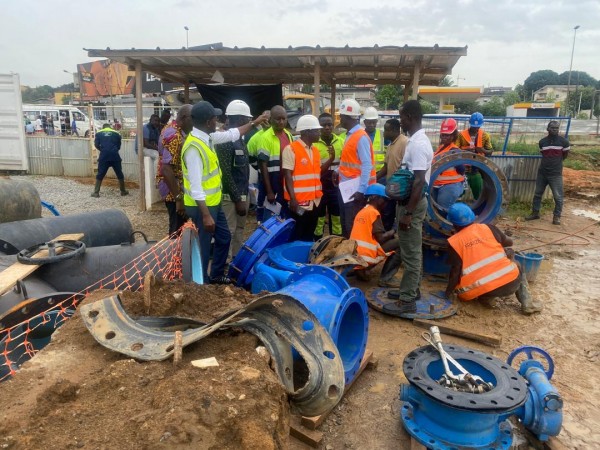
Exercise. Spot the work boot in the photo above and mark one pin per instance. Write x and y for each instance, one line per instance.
(122, 187)
(400, 308)
(533, 216)
(528, 305)
(556, 220)
(96, 192)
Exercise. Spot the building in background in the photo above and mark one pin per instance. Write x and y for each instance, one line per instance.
(444, 96)
(491, 92)
(532, 109)
(554, 93)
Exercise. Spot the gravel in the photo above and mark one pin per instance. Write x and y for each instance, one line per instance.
(72, 196)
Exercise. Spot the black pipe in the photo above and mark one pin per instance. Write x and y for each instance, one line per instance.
(101, 228)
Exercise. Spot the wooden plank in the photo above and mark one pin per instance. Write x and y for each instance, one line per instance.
(312, 423)
(18, 271)
(309, 437)
(460, 332)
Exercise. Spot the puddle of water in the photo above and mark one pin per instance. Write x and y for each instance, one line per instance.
(585, 213)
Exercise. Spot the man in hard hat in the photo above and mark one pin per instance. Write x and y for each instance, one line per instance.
(202, 192)
(252, 140)
(374, 243)
(554, 150)
(480, 266)
(235, 174)
(449, 185)
(330, 148)
(271, 144)
(370, 120)
(411, 213)
(393, 159)
(357, 161)
(475, 140)
(301, 166)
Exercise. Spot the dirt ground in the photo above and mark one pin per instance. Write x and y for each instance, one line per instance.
(368, 416)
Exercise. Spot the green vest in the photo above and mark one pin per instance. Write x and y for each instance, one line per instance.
(211, 173)
(379, 150)
(252, 144)
(337, 143)
(269, 149)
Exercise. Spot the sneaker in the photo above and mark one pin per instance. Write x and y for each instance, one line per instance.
(556, 220)
(533, 216)
(220, 280)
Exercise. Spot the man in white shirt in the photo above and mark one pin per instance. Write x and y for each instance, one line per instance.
(411, 213)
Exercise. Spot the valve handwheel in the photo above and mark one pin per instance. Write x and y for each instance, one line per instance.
(57, 251)
(529, 351)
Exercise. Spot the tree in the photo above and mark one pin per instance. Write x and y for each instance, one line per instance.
(428, 107)
(510, 98)
(538, 80)
(584, 94)
(390, 96)
(466, 107)
(39, 93)
(520, 90)
(447, 81)
(577, 78)
(494, 108)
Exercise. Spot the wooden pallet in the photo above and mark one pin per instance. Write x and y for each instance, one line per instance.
(305, 428)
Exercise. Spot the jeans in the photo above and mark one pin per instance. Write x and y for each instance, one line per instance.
(411, 251)
(221, 235)
(236, 225)
(555, 181)
(277, 187)
(446, 195)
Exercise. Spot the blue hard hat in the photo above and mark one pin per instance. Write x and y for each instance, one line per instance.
(476, 120)
(376, 189)
(461, 215)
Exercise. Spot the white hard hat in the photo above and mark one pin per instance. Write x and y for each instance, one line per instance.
(308, 122)
(371, 114)
(238, 108)
(350, 107)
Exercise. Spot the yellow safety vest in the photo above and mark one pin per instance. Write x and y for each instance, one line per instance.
(379, 150)
(337, 143)
(211, 173)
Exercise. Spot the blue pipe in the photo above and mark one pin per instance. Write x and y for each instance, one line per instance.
(291, 256)
(342, 310)
(267, 278)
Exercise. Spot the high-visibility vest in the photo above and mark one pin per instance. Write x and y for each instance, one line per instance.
(270, 146)
(379, 149)
(349, 162)
(306, 176)
(252, 144)
(211, 172)
(485, 265)
(478, 142)
(337, 143)
(449, 176)
(362, 232)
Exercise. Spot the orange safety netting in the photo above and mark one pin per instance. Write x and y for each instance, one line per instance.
(20, 342)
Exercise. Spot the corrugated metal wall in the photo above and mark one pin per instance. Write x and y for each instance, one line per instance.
(521, 172)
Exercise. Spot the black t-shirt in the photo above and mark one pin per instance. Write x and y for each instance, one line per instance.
(552, 149)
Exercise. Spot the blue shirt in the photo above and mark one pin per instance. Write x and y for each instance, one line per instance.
(150, 133)
(364, 154)
(108, 143)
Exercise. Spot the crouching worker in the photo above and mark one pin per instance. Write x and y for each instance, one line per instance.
(480, 265)
(374, 244)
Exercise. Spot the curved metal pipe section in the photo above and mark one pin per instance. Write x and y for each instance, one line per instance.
(19, 200)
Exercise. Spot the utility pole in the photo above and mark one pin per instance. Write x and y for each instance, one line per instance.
(571, 69)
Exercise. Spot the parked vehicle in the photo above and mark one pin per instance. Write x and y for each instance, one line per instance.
(62, 117)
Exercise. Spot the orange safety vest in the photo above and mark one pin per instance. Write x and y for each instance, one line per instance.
(485, 266)
(350, 163)
(467, 137)
(306, 175)
(362, 232)
(449, 176)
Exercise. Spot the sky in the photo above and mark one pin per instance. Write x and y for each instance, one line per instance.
(506, 39)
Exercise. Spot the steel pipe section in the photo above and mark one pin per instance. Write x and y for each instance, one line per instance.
(342, 310)
(19, 200)
(101, 228)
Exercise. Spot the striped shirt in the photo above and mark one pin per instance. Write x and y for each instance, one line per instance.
(552, 149)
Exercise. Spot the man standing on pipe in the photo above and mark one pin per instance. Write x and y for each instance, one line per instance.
(475, 140)
(411, 212)
(480, 264)
(108, 143)
(554, 150)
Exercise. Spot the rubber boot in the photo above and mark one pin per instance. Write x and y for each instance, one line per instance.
(122, 187)
(528, 305)
(533, 216)
(96, 192)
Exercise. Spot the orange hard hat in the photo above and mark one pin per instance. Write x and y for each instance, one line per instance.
(449, 126)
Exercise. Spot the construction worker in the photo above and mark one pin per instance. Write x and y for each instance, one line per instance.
(449, 185)
(202, 185)
(252, 140)
(374, 243)
(370, 120)
(357, 161)
(330, 149)
(481, 264)
(108, 143)
(301, 166)
(475, 140)
(270, 146)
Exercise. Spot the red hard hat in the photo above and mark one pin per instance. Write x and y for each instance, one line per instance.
(449, 126)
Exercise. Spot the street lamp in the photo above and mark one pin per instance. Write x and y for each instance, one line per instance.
(187, 42)
(73, 88)
(571, 67)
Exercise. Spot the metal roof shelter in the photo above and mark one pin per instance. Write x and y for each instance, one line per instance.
(409, 66)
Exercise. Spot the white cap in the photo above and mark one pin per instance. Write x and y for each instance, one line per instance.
(308, 122)
(350, 107)
(371, 114)
(238, 108)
